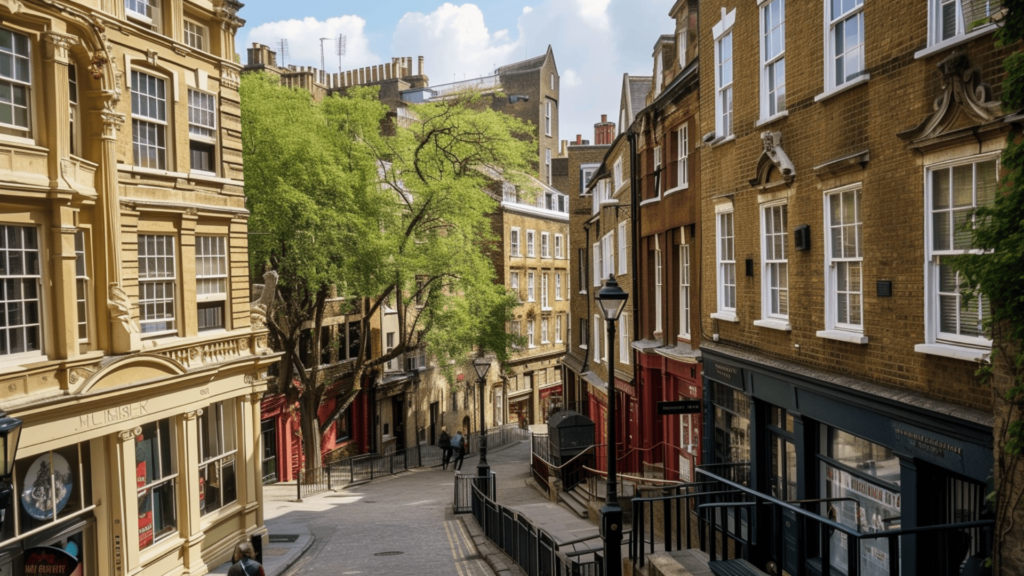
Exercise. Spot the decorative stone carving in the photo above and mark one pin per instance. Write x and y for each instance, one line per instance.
(265, 297)
(112, 119)
(60, 43)
(249, 378)
(153, 57)
(192, 211)
(129, 435)
(13, 5)
(261, 342)
(772, 156)
(227, 13)
(963, 93)
(121, 308)
(229, 77)
(193, 414)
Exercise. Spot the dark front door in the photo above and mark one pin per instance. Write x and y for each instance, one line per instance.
(398, 421)
(782, 480)
(268, 432)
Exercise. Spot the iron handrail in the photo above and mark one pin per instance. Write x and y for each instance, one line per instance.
(641, 478)
(569, 461)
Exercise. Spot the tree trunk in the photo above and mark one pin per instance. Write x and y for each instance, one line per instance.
(1008, 553)
(310, 426)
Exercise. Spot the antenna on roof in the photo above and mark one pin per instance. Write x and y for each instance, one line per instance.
(340, 46)
(322, 67)
(282, 49)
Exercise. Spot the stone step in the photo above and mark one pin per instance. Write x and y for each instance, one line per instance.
(576, 503)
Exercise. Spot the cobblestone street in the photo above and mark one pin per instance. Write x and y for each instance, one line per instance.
(400, 524)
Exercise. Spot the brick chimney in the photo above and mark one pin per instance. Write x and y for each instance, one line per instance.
(604, 131)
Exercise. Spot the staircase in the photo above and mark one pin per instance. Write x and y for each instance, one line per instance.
(576, 500)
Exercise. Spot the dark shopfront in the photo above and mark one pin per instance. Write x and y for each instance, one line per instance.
(871, 458)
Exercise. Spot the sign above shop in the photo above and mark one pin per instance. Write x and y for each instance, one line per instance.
(680, 407)
(49, 560)
(724, 373)
(41, 496)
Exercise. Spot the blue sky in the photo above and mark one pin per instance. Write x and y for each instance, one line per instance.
(595, 41)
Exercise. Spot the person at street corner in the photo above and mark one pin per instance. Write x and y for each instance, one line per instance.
(444, 442)
(459, 447)
(245, 563)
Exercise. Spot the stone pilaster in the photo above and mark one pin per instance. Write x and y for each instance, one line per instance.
(62, 268)
(56, 98)
(189, 314)
(124, 494)
(189, 525)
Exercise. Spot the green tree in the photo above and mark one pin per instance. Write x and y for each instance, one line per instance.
(339, 209)
(996, 269)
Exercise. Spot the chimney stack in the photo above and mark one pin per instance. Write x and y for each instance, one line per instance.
(604, 131)
(421, 65)
(579, 139)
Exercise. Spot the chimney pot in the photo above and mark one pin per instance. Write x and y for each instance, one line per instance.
(604, 117)
(579, 139)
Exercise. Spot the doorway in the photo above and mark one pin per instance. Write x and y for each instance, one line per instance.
(268, 435)
(782, 480)
(398, 422)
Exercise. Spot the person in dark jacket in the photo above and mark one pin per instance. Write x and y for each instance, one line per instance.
(459, 447)
(444, 442)
(245, 563)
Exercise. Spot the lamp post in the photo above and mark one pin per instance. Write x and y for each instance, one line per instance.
(611, 300)
(10, 433)
(483, 469)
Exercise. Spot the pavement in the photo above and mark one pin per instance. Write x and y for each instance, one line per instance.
(403, 524)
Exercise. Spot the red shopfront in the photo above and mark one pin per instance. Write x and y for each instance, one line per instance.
(671, 441)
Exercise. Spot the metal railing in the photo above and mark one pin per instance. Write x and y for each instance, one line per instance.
(534, 549)
(734, 521)
(499, 436)
(571, 473)
(464, 491)
(366, 467)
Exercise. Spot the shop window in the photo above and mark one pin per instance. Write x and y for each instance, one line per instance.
(342, 427)
(732, 424)
(156, 476)
(217, 486)
(21, 333)
(49, 488)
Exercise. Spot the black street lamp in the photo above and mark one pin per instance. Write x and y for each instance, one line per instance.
(10, 434)
(611, 300)
(482, 365)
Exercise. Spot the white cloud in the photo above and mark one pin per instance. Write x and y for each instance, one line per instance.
(304, 41)
(527, 9)
(593, 12)
(571, 78)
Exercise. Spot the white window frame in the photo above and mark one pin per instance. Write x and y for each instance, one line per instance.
(722, 34)
(684, 289)
(154, 124)
(847, 331)
(513, 241)
(213, 268)
(529, 286)
(169, 282)
(623, 250)
(617, 171)
(547, 165)
(197, 39)
(150, 13)
(35, 281)
(658, 291)
(774, 266)
(598, 265)
(219, 420)
(530, 249)
(587, 172)
(935, 18)
(933, 291)
(20, 77)
(558, 329)
(547, 123)
(558, 246)
(831, 22)
(624, 339)
(584, 333)
(544, 304)
(202, 125)
(773, 66)
(74, 123)
(545, 245)
(608, 252)
(529, 334)
(514, 281)
(581, 255)
(725, 259)
(683, 160)
(657, 167)
(82, 285)
(558, 285)
(597, 339)
(544, 331)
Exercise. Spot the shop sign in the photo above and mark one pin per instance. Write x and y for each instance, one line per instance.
(725, 373)
(680, 407)
(49, 560)
(47, 487)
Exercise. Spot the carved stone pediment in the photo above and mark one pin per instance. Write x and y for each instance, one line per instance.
(773, 159)
(965, 103)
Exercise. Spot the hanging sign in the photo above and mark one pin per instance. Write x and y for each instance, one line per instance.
(47, 487)
(680, 407)
(49, 560)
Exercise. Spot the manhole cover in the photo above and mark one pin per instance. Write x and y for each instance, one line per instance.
(284, 537)
(388, 553)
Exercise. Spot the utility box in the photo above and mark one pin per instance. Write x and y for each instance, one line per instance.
(569, 433)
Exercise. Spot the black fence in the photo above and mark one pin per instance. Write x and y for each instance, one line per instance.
(499, 436)
(366, 467)
(729, 520)
(534, 549)
(464, 491)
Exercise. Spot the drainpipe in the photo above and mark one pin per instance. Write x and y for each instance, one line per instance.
(634, 224)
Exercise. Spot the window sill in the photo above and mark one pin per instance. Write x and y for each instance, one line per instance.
(160, 548)
(952, 351)
(20, 363)
(584, 347)
(771, 119)
(955, 41)
(545, 309)
(774, 324)
(651, 201)
(725, 316)
(843, 336)
(843, 88)
(22, 141)
(582, 292)
(150, 171)
(155, 335)
(719, 141)
(676, 189)
(211, 519)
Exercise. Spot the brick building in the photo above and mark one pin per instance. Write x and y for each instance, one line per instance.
(839, 358)
(129, 346)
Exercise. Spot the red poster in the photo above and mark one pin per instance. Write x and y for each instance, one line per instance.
(145, 498)
(49, 560)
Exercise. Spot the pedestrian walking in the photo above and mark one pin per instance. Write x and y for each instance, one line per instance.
(245, 563)
(444, 442)
(459, 448)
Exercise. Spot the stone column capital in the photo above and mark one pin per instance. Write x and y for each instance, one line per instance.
(57, 45)
(129, 435)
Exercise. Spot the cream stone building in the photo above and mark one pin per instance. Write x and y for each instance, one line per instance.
(129, 348)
